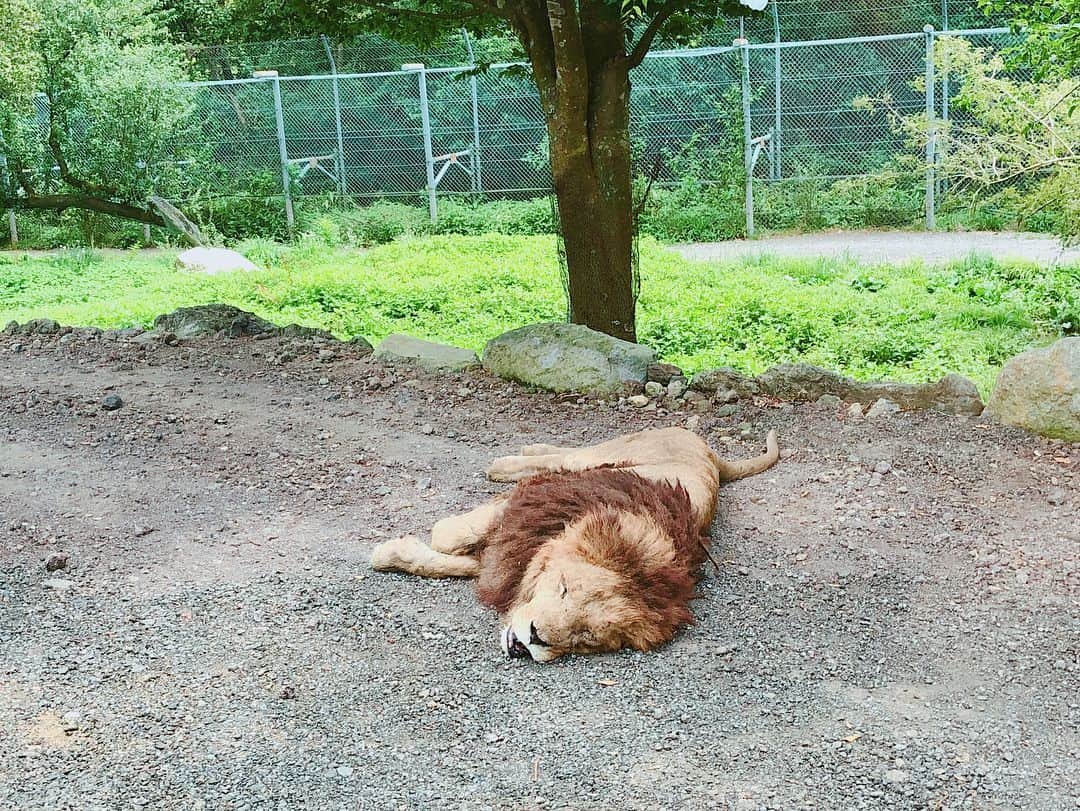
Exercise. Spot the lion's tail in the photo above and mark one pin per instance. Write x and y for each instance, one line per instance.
(729, 471)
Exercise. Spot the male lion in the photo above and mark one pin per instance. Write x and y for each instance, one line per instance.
(595, 550)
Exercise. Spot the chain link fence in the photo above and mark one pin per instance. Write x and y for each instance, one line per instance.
(792, 109)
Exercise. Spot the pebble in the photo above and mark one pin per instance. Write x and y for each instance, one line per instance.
(71, 720)
(882, 467)
(828, 402)
(57, 584)
(56, 561)
(344, 771)
(855, 411)
(111, 402)
(427, 429)
(638, 401)
(1057, 497)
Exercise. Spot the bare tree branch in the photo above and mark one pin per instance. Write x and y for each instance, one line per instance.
(645, 41)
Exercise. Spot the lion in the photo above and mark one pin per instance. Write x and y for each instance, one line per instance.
(596, 549)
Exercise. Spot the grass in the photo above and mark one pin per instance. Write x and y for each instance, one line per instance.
(905, 322)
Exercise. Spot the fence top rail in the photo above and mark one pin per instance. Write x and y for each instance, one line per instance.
(679, 53)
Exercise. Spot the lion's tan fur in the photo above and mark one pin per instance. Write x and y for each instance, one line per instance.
(572, 576)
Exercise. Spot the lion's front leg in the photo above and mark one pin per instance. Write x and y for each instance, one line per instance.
(459, 534)
(410, 555)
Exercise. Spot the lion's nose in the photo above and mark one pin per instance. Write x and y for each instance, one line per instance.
(515, 647)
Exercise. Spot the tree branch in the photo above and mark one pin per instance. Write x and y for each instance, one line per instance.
(415, 13)
(58, 156)
(645, 41)
(62, 202)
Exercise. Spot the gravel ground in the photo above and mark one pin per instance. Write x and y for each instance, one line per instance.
(892, 246)
(894, 624)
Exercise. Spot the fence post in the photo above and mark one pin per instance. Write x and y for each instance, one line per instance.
(774, 141)
(339, 164)
(425, 127)
(13, 228)
(931, 128)
(748, 147)
(283, 151)
(478, 186)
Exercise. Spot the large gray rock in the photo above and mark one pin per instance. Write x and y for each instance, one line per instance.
(953, 394)
(212, 319)
(1039, 391)
(567, 357)
(213, 260)
(429, 356)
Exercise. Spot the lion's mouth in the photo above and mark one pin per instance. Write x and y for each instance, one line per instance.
(514, 647)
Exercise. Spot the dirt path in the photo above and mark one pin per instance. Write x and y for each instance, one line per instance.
(901, 640)
(892, 247)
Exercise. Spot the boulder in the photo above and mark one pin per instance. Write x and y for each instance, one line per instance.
(567, 357)
(213, 260)
(1039, 391)
(210, 319)
(952, 394)
(429, 356)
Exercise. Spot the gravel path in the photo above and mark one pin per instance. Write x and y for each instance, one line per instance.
(892, 246)
(904, 639)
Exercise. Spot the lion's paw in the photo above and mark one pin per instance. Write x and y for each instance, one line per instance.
(506, 469)
(398, 554)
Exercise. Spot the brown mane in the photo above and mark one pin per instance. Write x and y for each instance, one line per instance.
(541, 507)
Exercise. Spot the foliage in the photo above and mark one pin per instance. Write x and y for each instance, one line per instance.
(1007, 136)
(905, 322)
(1052, 28)
(112, 115)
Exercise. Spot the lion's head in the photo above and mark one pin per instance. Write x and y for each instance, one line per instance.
(612, 580)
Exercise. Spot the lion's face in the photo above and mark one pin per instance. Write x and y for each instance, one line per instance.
(568, 604)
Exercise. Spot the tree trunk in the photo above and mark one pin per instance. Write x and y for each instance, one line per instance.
(594, 193)
(583, 75)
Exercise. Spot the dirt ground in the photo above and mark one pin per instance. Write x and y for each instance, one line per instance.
(895, 622)
(893, 247)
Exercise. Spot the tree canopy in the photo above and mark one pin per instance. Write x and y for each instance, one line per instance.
(110, 113)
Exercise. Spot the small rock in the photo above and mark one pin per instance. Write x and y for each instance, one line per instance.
(1057, 497)
(111, 402)
(344, 771)
(71, 720)
(693, 423)
(654, 389)
(638, 401)
(57, 584)
(894, 777)
(56, 561)
(324, 381)
(882, 467)
(427, 429)
(727, 410)
(855, 411)
(882, 408)
(288, 692)
(828, 402)
(676, 387)
(662, 373)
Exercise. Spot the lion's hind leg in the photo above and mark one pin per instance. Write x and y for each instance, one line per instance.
(410, 555)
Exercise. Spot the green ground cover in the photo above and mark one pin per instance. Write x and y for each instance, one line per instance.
(907, 322)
